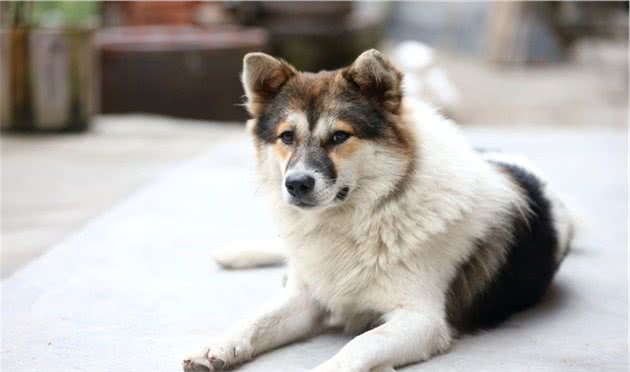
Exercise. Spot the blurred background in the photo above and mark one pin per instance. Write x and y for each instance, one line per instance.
(98, 97)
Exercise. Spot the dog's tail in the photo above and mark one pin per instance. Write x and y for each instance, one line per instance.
(570, 221)
(250, 254)
(568, 218)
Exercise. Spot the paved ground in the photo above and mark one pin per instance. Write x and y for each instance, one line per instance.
(54, 184)
(135, 289)
(576, 95)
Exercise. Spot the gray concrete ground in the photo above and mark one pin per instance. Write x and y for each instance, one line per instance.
(573, 95)
(135, 289)
(54, 184)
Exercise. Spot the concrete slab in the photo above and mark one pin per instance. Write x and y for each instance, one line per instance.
(136, 289)
(53, 184)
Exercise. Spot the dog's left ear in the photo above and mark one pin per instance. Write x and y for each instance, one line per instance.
(262, 78)
(377, 79)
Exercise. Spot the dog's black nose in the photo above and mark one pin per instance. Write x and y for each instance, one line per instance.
(299, 185)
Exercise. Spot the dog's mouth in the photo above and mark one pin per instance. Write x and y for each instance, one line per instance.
(312, 204)
(304, 205)
(342, 194)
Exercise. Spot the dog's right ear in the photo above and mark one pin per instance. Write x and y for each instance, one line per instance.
(263, 76)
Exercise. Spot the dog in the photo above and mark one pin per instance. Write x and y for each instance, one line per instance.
(393, 227)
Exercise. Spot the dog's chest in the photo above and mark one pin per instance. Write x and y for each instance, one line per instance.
(351, 270)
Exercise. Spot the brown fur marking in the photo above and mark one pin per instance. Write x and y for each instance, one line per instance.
(282, 151)
(344, 151)
(344, 126)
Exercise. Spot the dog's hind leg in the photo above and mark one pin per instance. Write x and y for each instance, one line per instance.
(245, 254)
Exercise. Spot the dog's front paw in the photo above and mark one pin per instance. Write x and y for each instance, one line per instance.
(217, 358)
(202, 362)
(197, 363)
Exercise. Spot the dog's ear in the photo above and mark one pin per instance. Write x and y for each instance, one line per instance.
(262, 78)
(376, 78)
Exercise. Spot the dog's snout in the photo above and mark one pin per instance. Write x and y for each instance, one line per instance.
(299, 185)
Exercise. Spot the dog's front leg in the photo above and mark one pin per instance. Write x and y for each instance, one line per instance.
(407, 336)
(295, 315)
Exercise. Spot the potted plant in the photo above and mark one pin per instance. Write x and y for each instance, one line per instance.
(48, 65)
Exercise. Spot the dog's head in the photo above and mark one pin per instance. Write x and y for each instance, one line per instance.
(328, 137)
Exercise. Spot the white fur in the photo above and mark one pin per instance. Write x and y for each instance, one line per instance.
(396, 260)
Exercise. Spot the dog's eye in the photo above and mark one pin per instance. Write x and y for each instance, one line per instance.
(287, 137)
(339, 137)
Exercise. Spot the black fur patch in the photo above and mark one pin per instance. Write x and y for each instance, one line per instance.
(271, 117)
(530, 263)
(316, 158)
(319, 160)
(367, 121)
(313, 111)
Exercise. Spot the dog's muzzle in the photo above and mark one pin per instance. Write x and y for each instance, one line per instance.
(300, 186)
